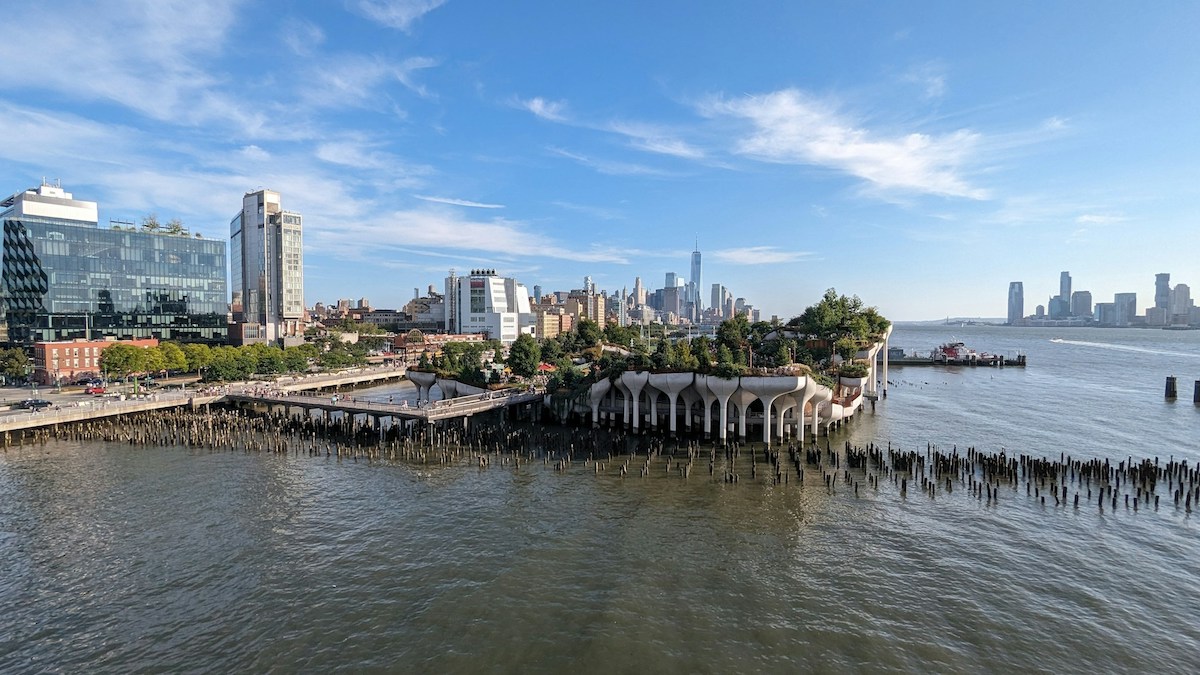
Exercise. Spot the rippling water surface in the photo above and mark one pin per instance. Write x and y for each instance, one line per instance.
(122, 559)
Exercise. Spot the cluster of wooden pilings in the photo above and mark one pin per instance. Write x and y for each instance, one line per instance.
(492, 440)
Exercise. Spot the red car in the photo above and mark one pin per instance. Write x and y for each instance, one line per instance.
(94, 390)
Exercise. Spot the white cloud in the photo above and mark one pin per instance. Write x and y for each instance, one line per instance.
(794, 128)
(554, 111)
(655, 139)
(930, 76)
(396, 13)
(598, 212)
(458, 202)
(1099, 219)
(1055, 124)
(360, 79)
(446, 229)
(254, 153)
(757, 255)
(157, 74)
(609, 167)
(301, 36)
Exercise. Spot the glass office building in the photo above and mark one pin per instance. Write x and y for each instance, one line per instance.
(66, 279)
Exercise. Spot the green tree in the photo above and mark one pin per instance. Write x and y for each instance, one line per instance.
(661, 359)
(524, 356)
(296, 357)
(174, 358)
(120, 360)
(268, 359)
(150, 223)
(588, 332)
(175, 227)
(424, 363)
(684, 358)
(230, 363)
(552, 350)
(733, 333)
(13, 363)
(702, 349)
(846, 348)
(153, 361)
(198, 356)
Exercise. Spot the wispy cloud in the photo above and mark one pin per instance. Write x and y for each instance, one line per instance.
(360, 80)
(554, 111)
(159, 75)
(598, 212)
(612, 168)
(792, 127)
(930, 77)
(395, 13)
(757, 255)
(1099, 219)
(449, 230)
(388, 172)
(1056, 124)
(458, 202)
(656, 139)
(301, 36)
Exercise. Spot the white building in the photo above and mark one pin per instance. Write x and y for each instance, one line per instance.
(49, 201)
(267, 271)
(1181, 304)
(486, 303)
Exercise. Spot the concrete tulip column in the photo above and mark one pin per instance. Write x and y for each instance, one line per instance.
(701, 388)
(767, 390)
(635, 382)
(742, 398)
(823, 395)
(423, 381)
(449, 388)
(722, 389)
(596, 394)
(690, 398)
(886, 336)
(619, 387)
(652, 399)
(671, 384)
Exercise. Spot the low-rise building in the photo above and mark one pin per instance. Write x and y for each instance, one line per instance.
(73, 360)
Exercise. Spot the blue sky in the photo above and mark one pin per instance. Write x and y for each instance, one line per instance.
(919, 155)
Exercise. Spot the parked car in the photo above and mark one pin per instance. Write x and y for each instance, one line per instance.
(95, 389)
(35, 404)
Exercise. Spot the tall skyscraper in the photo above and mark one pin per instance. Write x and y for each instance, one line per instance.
(65, 278)
(1081, 304)
(1064, 288)
(695, 282)
(1016, 302)
(1125, 308)
(1162, 290)
(639, 292)
(672, 280)
(267, 271)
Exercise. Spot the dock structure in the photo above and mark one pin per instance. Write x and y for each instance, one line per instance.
(463, 406)
(297, 393)
(999, 362)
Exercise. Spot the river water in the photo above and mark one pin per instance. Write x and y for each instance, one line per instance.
(122, 559)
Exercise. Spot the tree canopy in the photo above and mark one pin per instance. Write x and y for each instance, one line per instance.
(524, 356)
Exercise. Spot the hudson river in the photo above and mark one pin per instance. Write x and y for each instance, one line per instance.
(120, 559)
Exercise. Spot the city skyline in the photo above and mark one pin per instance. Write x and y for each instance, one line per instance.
(882, 153)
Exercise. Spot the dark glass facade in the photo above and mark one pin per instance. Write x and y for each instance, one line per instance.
(63, 281)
